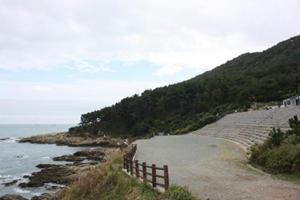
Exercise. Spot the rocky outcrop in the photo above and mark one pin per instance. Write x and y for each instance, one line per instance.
(77, 164)
(68, 158)
(96, 155)
(45, 196)
(10, 183)
(12, 197)
(66, 139)
(60, 174)
(83, 161)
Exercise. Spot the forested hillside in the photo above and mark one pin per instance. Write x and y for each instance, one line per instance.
(271, 75)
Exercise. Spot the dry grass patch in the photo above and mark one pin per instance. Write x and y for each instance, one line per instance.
(109, 182)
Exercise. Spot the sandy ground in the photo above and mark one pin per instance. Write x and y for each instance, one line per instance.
(213, 169)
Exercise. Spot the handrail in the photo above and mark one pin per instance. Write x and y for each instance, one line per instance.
(134, 168)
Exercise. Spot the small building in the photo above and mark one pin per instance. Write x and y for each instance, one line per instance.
(292, 101)
(161, 133)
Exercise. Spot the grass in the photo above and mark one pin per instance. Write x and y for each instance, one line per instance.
(109, 182)
(289, 177)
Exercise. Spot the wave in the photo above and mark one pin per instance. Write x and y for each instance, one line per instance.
(46, 158)
(95, 148)
(4, 178)
(10, 140)
(53, 186)
(20, 191)
(8, 179)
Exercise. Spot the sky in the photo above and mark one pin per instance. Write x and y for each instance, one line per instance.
(62, 58)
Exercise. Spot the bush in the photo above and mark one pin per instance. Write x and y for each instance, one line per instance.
(279, 161)
(277, 136)
(176, 192)
(280, 153)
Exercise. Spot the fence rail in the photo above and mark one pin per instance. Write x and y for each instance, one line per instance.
(140, 170)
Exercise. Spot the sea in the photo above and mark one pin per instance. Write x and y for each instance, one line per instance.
(20, 159)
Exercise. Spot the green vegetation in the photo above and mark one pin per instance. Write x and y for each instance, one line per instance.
(280, 153)
(271, 75)
(109, 183)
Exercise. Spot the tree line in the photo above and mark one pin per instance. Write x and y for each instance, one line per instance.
(271, 75)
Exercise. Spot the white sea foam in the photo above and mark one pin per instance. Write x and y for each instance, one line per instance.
(51, 185)
(11, 140)
(37, 194)
(95, 148)
(46, 158)
(5, 178)
(20, 191)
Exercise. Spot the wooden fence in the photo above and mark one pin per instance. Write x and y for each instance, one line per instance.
(140, 170)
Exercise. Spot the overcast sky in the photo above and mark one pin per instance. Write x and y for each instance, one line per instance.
(62, 58)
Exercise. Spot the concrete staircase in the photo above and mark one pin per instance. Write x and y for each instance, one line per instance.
(249, 128)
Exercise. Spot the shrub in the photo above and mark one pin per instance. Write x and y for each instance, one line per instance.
(280, 153)
(176, 192)
(277, 136)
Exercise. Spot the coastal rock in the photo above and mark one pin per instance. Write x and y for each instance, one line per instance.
(68, 158)
(40, 166)
(65, 138)
(12, 197)
(66, 174)
(10, 183)
(96, 155)
(45, 196)
(6, 138)
(59, 174)
(79, 156)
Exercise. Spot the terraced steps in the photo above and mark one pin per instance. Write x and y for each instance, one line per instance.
(249, 128)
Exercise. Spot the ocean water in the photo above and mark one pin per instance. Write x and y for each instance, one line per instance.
(19, 159)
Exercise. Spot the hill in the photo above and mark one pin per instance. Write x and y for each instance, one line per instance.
(271, 75)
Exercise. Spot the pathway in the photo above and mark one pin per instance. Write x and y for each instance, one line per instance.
(213, 169)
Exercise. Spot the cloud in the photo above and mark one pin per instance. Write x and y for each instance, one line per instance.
(87, 67)
(91, 48)
(168, 70)
(106, 92)
(45, 102)
(190, 34)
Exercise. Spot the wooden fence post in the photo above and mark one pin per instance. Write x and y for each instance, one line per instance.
(124, 162)
(137, 168)
(144, 171)
(131, 167)
(127, 165)
(166, 177)
(153, 175)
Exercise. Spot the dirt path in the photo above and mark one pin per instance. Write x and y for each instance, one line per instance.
(213, 169)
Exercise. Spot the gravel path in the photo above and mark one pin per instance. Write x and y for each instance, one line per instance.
(213, 169)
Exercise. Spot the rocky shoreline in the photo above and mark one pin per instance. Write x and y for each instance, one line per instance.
(57, 176)
(65, 139)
